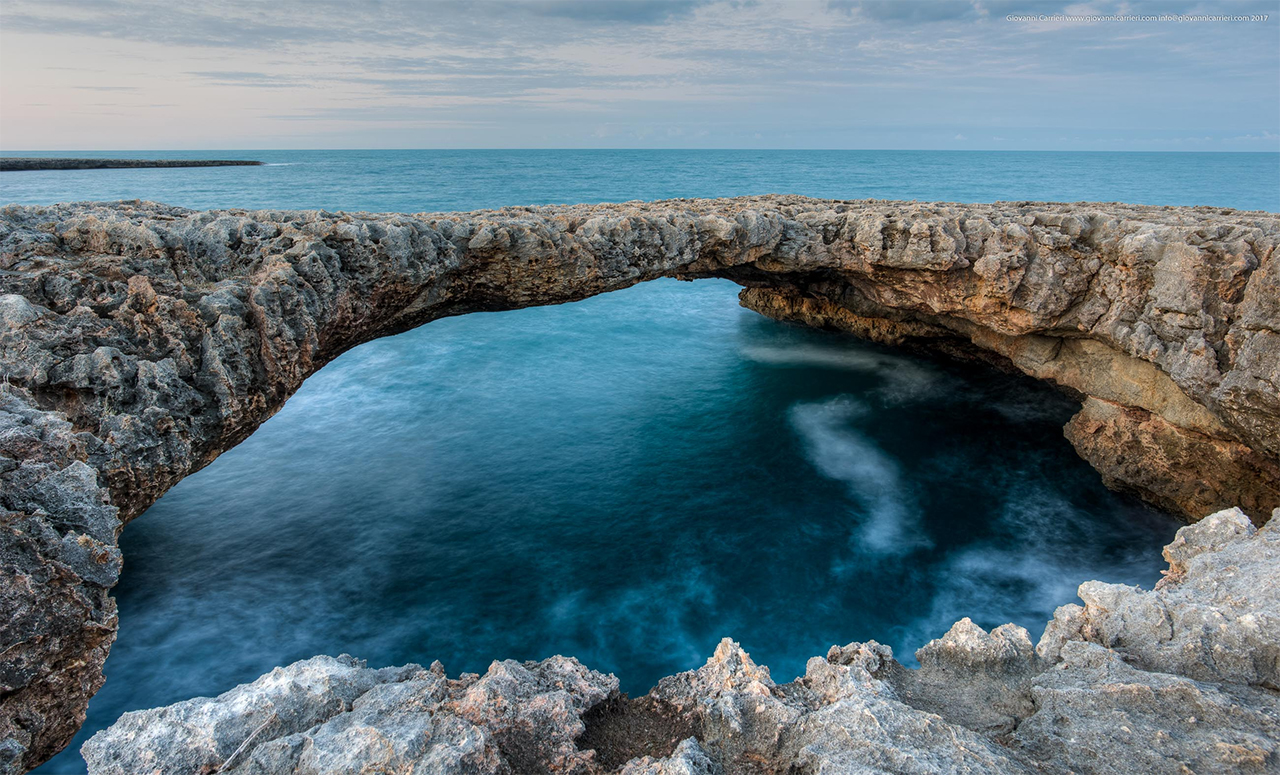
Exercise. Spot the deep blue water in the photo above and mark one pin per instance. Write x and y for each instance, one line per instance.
(628, 478)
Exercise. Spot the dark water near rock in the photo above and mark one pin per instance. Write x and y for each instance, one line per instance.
(629, 478)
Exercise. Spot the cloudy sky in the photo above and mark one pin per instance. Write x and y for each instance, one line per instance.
(162, 74)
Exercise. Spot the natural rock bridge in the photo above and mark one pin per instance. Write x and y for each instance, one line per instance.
(140, 341)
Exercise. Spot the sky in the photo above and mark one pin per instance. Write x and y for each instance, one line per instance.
(912, 74)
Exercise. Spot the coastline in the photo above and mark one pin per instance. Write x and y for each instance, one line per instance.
(39, 164)
(148, 339)
(1100, 692)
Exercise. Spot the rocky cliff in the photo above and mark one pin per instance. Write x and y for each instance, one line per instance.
(1180, 679)
(140, 341)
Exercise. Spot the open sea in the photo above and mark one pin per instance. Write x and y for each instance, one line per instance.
(629, 478)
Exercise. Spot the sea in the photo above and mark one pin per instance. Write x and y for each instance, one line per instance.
(630, 478)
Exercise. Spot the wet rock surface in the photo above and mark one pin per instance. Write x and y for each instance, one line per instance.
(1106, 691)
(139, 341)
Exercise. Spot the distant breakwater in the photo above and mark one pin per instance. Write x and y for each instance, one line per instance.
(34, 164)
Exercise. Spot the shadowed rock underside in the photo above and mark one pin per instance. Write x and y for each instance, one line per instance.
(139, 341)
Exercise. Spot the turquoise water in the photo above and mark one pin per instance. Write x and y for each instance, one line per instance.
(418, 181)
(628, 478)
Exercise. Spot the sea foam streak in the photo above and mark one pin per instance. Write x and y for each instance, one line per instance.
(892, 525)
(904, 379)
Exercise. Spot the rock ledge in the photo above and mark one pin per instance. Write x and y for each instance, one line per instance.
(1178, 679)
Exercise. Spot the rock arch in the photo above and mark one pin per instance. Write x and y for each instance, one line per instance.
(139, 341)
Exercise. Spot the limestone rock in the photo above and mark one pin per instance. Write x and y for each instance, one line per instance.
(1214, 617)
(203, 734)
(1097, 714)
(687, 759)
(327, 715)
(139, 341)
(1173, 680)
(973, 678)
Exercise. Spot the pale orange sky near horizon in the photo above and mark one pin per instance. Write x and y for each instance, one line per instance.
(138, 74)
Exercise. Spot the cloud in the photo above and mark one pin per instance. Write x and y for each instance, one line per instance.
(917, 11)
(809, 73)
(628, 11)
(927, 11)
(242, 24)
(898, 10)
(253, 80)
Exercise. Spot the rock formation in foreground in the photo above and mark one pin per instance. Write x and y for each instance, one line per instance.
(1185, 678)
(140, 341)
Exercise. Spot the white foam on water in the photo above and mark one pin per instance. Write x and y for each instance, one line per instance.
(654, 611)
(838, 451)
(904, 379)
(1041, 553)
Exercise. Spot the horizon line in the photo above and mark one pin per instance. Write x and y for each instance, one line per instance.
(621, 148)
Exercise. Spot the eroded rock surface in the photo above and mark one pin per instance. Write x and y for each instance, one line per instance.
(336, 715)
(139, 341)
(1173, 680)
